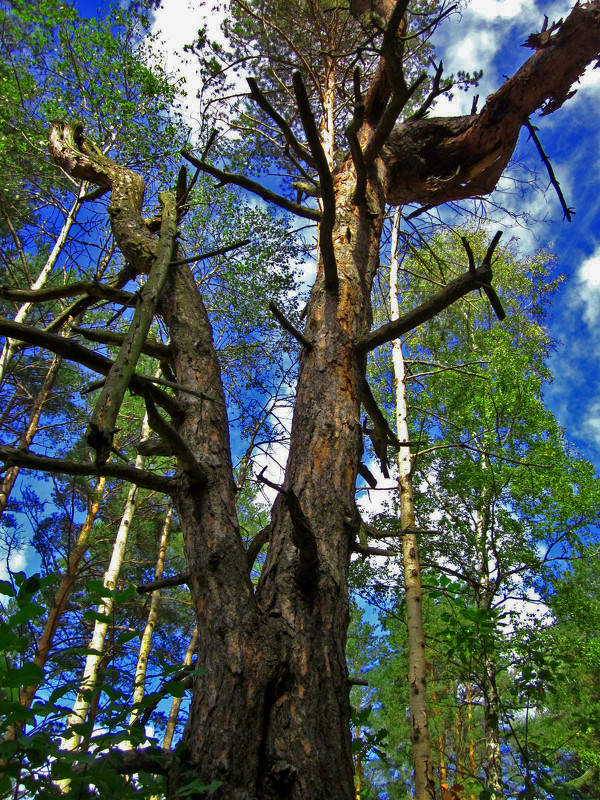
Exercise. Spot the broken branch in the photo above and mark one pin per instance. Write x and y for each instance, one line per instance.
(60, 466)
(103, 421)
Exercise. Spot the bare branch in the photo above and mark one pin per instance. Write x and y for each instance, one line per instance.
(366, 473)
(163, 583)
(487, 288)
(73, 351)
(287, 325)
(185, 457)
(305, 540)
(456, 289)
(103, 421)
(352, 135)
(150, 348)
(436, 90)
(89, 288)
(256, 545)
(568, 212)
(60, 466)
(259, 98)
(154, 760)
(254, 187)
(377, 416)
(373, 551)
(219, 251)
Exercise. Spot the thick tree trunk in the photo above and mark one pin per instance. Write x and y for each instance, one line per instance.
(270, 716)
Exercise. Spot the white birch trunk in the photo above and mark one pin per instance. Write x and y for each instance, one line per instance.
(422, 759)
(111, 576)
(144, 652)
(176, 702)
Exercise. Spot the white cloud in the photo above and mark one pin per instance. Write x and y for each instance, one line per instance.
(498, 9)
(588, 287)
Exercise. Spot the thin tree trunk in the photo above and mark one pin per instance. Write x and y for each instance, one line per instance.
(11, 344)
(470, 732)
(144, 652)
(417, 668)
(26, 437)
(491, 700)
(176, 702)
(111, 576)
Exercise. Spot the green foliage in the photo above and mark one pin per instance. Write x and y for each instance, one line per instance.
(34, 756)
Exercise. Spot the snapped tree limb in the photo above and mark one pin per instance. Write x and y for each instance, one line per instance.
(436, 160)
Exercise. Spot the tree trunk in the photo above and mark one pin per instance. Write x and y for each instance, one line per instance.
(417, 667)
(270, 716)
(10, 344)
(144, 652)
(176, 702)
(491, 700)
(92, 663)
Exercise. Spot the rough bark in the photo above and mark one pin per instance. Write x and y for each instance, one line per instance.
(432, 161)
